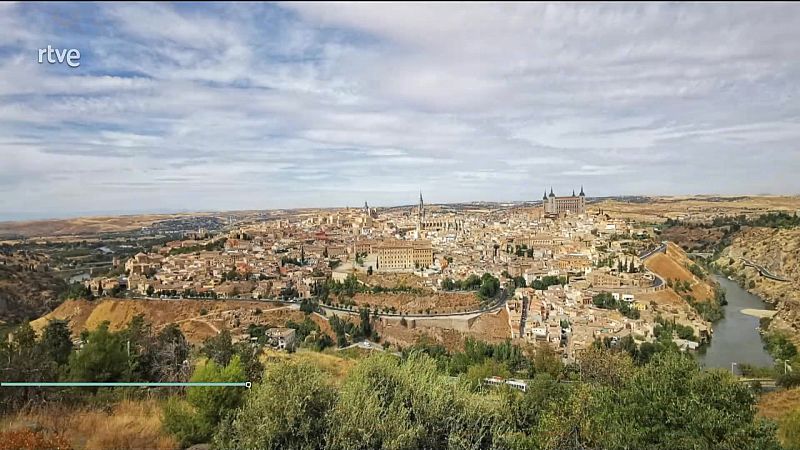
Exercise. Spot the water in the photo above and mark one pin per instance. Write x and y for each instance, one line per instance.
(735, 337)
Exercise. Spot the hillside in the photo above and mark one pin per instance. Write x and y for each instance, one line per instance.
(82, 225)
(673, 265)
(198, 319)
(659, 209)
(27, 288)
(777, 250)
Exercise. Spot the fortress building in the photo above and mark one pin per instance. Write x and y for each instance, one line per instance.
(575, 204)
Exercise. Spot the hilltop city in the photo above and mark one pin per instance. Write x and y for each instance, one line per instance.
(559, 274)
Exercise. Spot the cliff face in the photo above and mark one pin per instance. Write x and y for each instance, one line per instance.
(778, 251)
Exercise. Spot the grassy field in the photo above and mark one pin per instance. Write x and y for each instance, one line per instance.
(126, 425)
(336, 364)
(132, 424)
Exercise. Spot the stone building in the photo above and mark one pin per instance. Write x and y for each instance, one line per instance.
(575, 204)
(403, 255)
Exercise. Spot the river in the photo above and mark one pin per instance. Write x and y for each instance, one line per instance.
(735, 337)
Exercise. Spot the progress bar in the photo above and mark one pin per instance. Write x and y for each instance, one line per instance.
(246, 384)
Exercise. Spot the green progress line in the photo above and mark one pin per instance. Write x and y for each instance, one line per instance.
(132, 384)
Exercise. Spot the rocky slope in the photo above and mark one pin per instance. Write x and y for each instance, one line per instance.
(777, 250)
(27, 288)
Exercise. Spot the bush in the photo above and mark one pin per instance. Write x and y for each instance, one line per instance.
(182, 421)
(778, 345)
(195, 419)
(103, 358)
(789, 379)
(286, 410)
(386, 403)
(488, 368)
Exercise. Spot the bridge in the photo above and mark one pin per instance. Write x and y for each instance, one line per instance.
(763, 271)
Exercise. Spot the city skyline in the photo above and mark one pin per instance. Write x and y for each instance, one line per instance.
(179, 107)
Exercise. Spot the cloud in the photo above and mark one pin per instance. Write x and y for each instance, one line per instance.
(226, 106)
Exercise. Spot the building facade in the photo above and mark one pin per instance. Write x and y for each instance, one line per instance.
(575, 204)
(404, 255)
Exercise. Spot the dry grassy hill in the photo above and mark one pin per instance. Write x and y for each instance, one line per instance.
(673, 265)
(198, 319)
(659, 209)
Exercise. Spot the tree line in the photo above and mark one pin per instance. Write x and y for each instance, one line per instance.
(410, 403)
(616, 396)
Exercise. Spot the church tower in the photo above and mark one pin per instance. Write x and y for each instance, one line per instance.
(420, 216)
(421, 209)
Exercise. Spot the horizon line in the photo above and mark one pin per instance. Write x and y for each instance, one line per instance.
(19, 217)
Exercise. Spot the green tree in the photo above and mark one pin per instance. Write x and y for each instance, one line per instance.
(488, 368)
(171, 355)
(57, 341)
(547, 361)
(388, 403)
(570, 423)
(672, 403)
(287, 409)
(77, 291)
(219, 348)
(23, 359)
(779, 345)
(195, 419)
(103, 357)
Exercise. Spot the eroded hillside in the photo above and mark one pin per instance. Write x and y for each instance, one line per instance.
(674, 265)
(27, 288)
(198, 319)
(777, 251)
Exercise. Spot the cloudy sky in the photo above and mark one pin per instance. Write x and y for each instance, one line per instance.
(247, 106)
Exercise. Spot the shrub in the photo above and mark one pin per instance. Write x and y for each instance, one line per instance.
(286, 410)
(195, 419)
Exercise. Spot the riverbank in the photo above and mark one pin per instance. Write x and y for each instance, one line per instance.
(736, 339)
(778, 251)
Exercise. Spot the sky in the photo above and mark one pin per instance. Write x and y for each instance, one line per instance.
(200, 107)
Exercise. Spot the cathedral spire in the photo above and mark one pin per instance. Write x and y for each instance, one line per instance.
(582, 194)
(421, 210)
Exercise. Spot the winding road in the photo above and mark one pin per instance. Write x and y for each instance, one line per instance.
(763, 271)
(646, 254)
